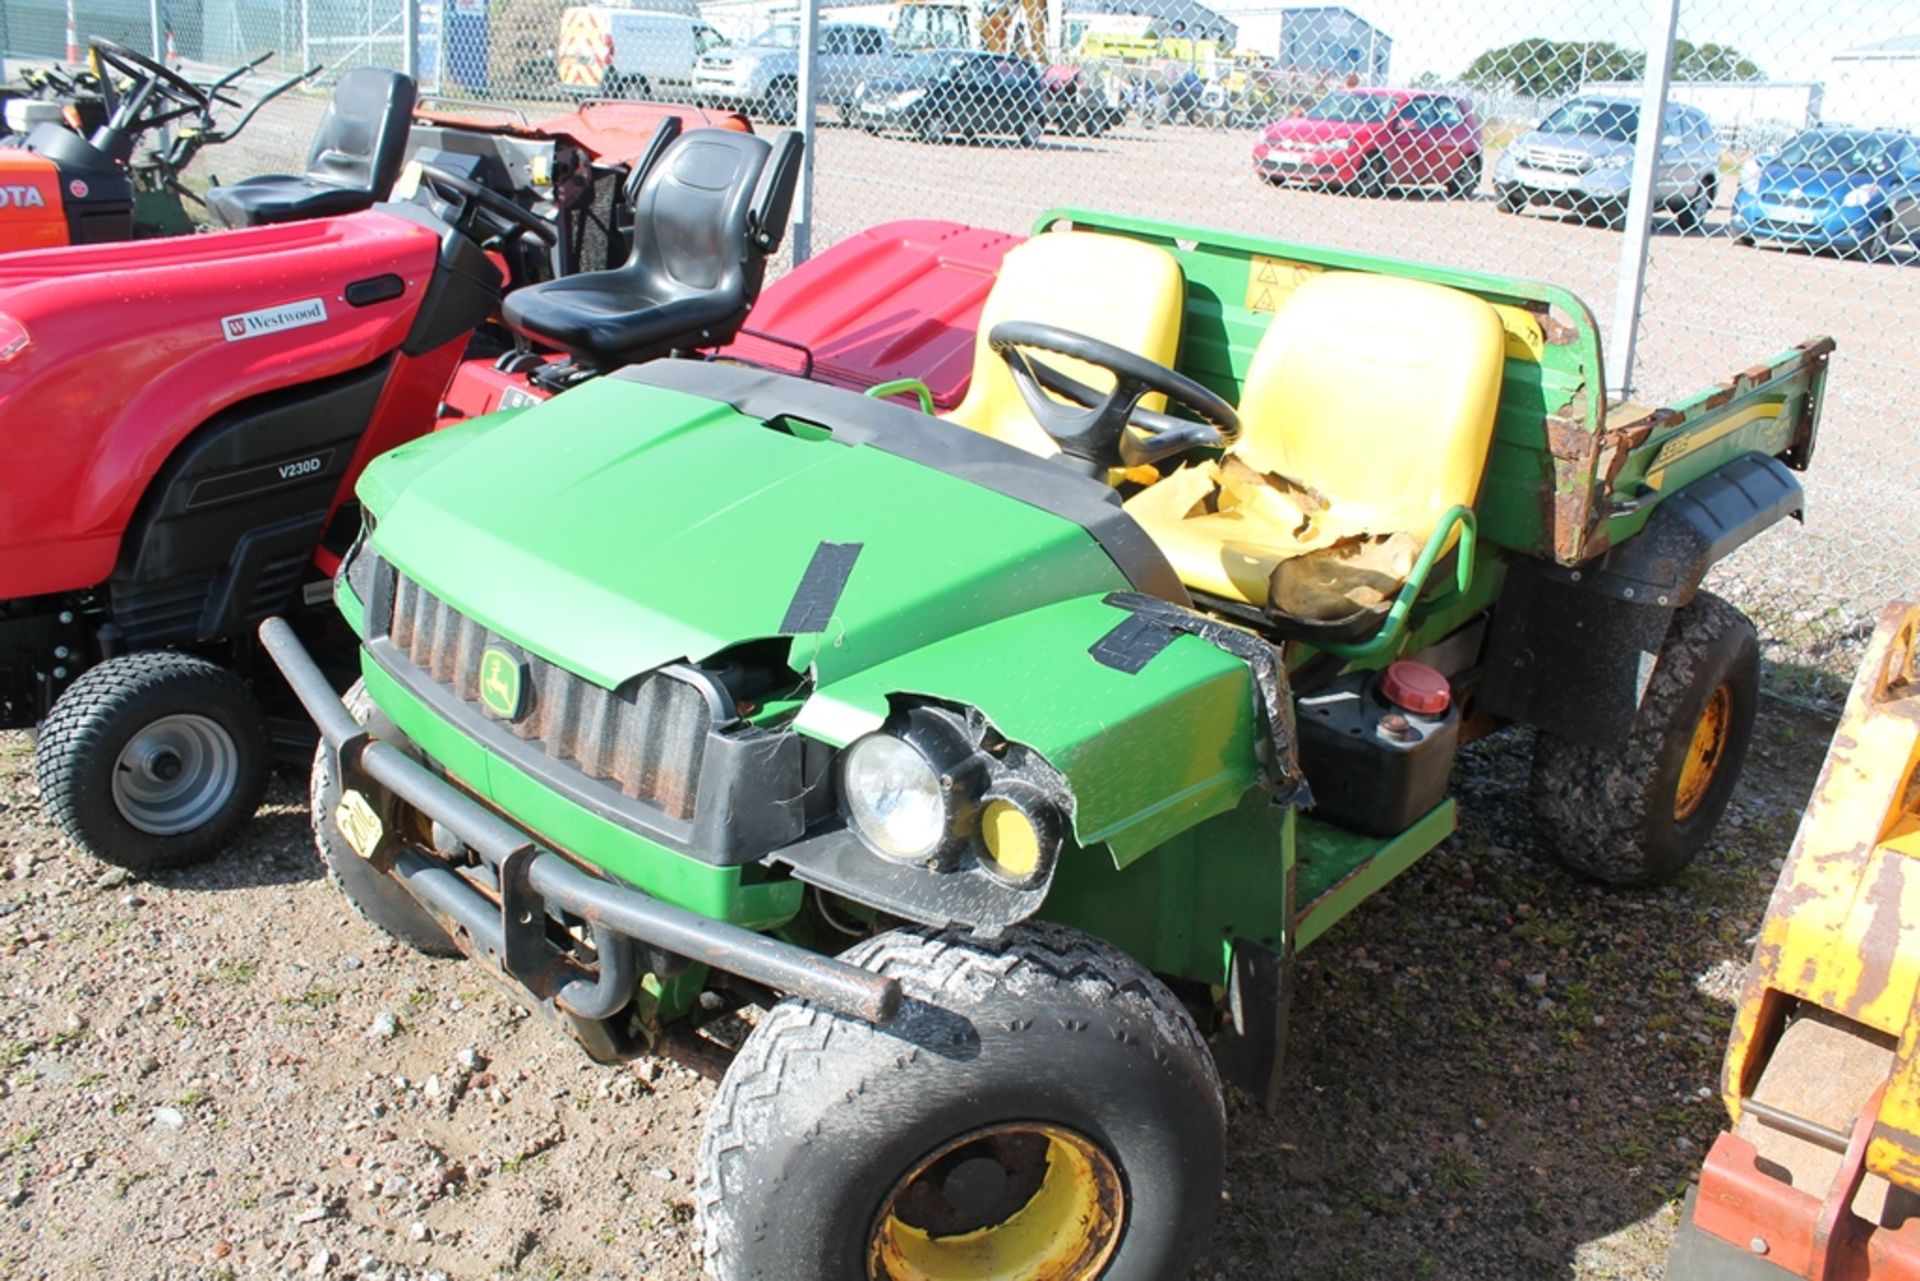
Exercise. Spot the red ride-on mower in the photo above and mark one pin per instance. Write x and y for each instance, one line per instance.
(186, 419)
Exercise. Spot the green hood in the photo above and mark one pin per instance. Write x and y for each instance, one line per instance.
(621, 526)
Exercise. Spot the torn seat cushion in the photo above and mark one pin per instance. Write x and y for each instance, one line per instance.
(1234, 533)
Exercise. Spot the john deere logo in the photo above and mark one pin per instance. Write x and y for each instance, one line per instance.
(502, 689)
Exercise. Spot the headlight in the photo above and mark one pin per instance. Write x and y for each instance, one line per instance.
(938, 789)
(893, 798)
(907, 99)
(1864, 194)
(1617, 160)
(1750, 175)
(1517, 155)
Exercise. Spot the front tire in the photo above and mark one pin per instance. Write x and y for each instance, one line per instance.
(153, 761)
(1639, 813)
(1373, 179)
(1510, 199)
(1045, 1077)
(377, 897)
(781, 103)
(935, 129)
(1465, 181)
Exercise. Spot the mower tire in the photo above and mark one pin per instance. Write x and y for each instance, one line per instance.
(1041, 1102)
(153, 760)
(380, 900)
(1639, 813)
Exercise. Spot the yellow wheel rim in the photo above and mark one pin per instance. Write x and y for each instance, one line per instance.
(1704, 753)
(1017, 1202)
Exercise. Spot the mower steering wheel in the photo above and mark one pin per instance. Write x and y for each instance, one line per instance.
(472, 194)
(1107, 424)
(150, 77)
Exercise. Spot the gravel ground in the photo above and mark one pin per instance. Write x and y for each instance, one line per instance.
(1497, 1071)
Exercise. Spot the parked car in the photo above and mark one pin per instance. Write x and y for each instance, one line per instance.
(1901, 233)
(1831, 189)
(1367, 140)
(1079, 100)
(956, 93)
(762, 76)
(631, 53)
(1581, 158)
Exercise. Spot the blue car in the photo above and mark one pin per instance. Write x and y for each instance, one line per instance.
(1828, 189)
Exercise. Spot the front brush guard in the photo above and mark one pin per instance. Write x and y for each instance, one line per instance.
(531, 880)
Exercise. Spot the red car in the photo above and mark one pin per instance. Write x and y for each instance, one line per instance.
(1367, 140)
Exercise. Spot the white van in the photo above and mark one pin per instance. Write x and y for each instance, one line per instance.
(631, 53)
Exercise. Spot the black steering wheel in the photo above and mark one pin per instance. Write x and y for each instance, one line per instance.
(1109, 424)
(151, 80)
(519, 222)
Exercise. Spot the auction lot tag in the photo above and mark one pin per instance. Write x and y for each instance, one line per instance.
(1270, 280)
(358, 823)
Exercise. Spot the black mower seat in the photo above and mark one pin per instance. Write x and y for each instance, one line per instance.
(355, 158)
(711, 205)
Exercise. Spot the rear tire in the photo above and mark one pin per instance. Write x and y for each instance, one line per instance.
(830, 1136)
(1030, 134)
(153, 760)
(1691, 218)
(1639, 813)
(629, 87)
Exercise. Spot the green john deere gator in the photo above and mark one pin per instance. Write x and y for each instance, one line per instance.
(1007, 760)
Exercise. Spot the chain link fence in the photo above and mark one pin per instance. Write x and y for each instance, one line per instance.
(1493, 134)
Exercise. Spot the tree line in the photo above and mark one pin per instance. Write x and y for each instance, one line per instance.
(1544, 68)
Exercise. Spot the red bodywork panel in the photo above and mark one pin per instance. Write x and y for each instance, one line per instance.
(901, 300)
(32, 214)
(131, 346)
(612, 132)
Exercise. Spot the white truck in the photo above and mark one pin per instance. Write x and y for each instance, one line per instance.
(619, 52)
(762, 76)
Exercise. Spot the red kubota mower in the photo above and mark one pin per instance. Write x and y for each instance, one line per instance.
(218, 396)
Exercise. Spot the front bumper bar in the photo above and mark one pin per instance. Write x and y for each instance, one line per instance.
(531, 880)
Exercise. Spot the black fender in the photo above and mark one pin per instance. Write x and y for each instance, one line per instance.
(1573, 649)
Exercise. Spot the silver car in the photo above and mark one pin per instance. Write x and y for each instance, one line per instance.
(1581, 158)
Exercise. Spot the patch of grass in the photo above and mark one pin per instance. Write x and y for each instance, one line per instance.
(124, 1183)
(14, 1053)
(193, 1098)
(1459, 1172)
(236, 971)
(61, 1040)
(22, 1140)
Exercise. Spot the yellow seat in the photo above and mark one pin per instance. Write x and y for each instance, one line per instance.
(1366, 415)
(1120, 291)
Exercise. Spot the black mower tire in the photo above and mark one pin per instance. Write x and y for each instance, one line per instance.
(78, 760)
(377, 898)
(822, 1117)
(1618, 815)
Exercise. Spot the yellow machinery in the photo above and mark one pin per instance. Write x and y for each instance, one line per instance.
(1820, 1176)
